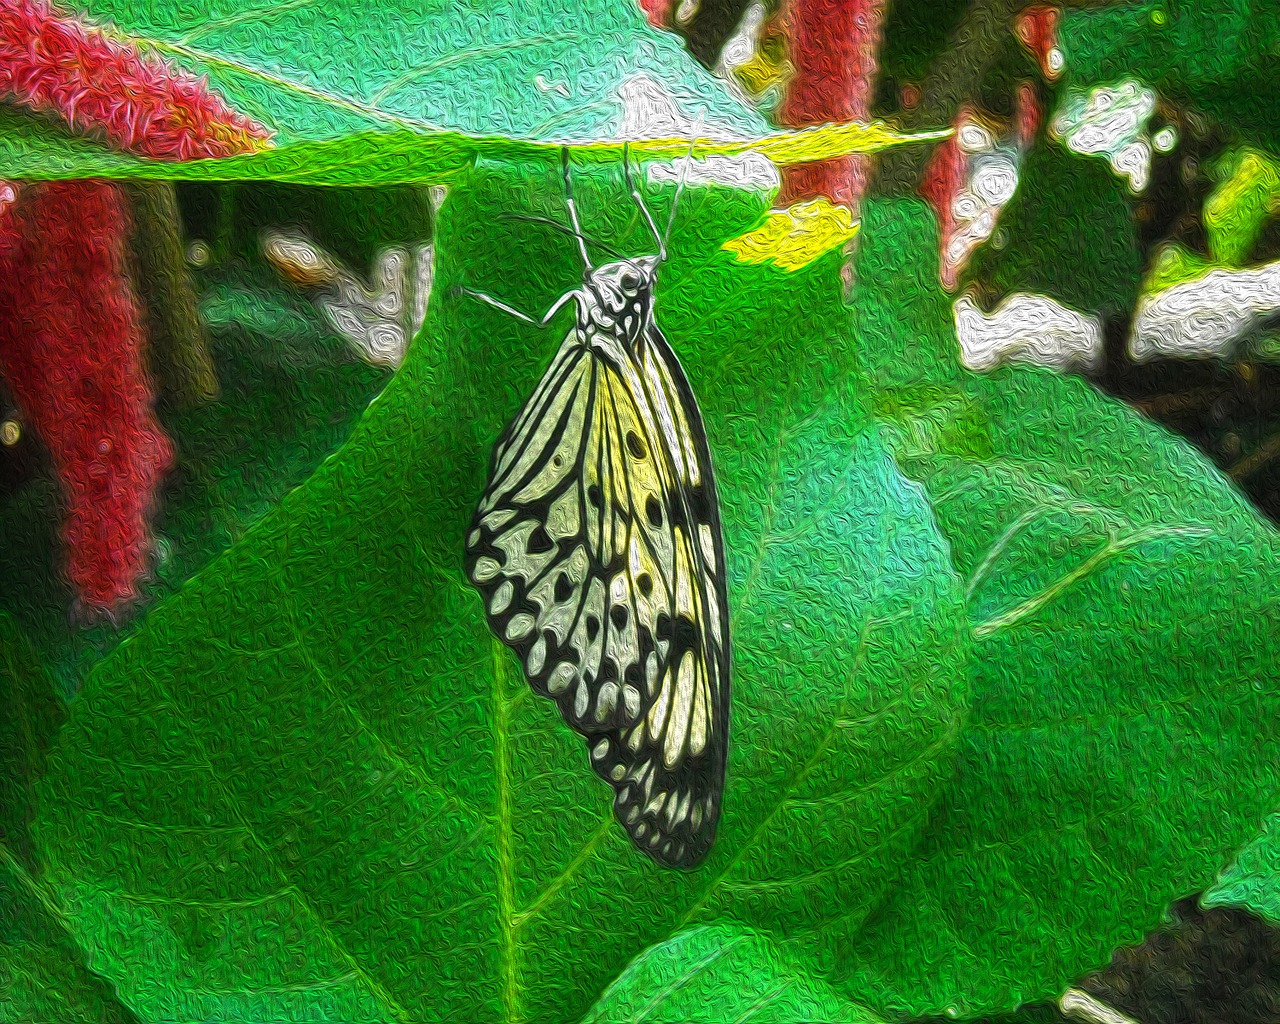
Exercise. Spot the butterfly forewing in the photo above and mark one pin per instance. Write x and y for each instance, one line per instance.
(597, 548)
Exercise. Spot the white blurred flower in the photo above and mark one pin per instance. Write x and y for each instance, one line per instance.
(1207, 316)
(1029, 329)
(1110, 121)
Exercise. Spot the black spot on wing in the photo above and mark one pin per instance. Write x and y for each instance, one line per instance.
(539, 542)
(564, 588)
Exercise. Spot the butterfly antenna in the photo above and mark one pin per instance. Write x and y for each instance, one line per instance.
(684, 172)
(573, 210)
(635, 194)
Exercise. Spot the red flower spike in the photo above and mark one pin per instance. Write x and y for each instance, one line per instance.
(141, 105)
(661, 13)
(834, 46)
(71, 346)
(71, 341)
(1037, 30)
(944, 174)
(1028, 115)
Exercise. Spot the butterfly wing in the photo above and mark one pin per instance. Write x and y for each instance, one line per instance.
(675, 754)
(597, 548)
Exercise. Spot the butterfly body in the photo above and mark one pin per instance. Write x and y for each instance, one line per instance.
(597, 548)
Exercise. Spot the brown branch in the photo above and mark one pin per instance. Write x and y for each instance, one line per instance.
(179, 351)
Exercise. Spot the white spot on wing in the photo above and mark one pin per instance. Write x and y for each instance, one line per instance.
(537, 656)
(520, 626)
(708, 542)
(606, 701)
(486, 569)
(502, 597)
(561, 677)
(680, 714)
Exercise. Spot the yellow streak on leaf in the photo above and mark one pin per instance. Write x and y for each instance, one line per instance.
(795, 237)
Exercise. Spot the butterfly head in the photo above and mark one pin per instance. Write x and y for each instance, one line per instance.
(618, 298)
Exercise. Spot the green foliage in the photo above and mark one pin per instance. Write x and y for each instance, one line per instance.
(1218, 56)
(392, 92)
(353, 224)
(1003, 651)
(30, 714)
(523, 69)
(1246, 198)
(337, 780)
(1123, 599)
(1068, 232)
(1253, 880)
(732, 972)
(42, 971)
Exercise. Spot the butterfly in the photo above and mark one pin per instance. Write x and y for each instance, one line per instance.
(597, 548)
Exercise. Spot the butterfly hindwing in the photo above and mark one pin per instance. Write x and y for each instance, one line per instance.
(671, 763)
(597, 548)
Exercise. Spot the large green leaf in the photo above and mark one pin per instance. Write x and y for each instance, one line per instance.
(1125, 602)
(398, 91)
(314, 783)
(527, 69)
(42, 972)
(722, 972)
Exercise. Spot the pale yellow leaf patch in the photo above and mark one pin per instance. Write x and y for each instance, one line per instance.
(795, 237)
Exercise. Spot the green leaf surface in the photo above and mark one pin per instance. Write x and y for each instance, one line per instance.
(722, 973)
(30, 714)
(33, 147)
(1125, 604)
(520, 68)
(391, 91)
(1253, 879)
(42, 972)
(314, 784)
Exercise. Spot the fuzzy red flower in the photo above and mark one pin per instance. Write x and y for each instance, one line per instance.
(661, 13)
(141, 105)
(834, 48)
(69, 346)
(71, 337)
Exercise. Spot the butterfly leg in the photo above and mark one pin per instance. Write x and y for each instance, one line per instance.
(573, 210)
(519, 314)
(496, 303)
